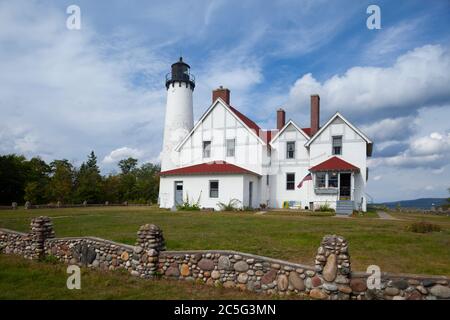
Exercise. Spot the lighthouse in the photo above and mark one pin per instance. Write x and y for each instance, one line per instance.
(179, 119)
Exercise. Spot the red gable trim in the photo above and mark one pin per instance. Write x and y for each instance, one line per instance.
(307, 131)
(219, 167)
(251, 124)
(334, 164)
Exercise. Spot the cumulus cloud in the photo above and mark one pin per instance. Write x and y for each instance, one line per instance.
(417, 78)
(122, 153)
(435, 143)
(390, 129)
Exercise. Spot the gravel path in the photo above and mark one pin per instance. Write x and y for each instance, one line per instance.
(385, 216)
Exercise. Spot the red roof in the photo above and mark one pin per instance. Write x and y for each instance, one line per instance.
(250, 123)
(334, 164)
(307, 131)
(219, 167)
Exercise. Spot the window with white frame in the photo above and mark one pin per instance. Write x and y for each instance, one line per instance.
(337, 145)
(321, 179)
(332, 180)
(290, 181)
(231, 146)
(214, 189)
(290, 150)
(206, 149)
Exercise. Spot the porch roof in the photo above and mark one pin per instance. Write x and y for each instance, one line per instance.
(334, 164)
(215, 167)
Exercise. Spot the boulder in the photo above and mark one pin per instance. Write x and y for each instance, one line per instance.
(224, 263)
(440, 291)
(206, 264)
(296, 281)
(330, 269)
(358, 285)
(282, 282)
(269, 277)
(184, 270)
(172, 272)
(318, 294)
(241, 266)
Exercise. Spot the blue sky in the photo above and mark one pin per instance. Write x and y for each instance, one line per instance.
(64, 93)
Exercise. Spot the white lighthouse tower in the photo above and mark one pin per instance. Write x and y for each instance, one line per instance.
(179, 119)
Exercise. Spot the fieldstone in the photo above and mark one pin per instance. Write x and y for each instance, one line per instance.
(415, 295)
(135, 273)
(228, 284)
(374, 294)
(310, 273)
(206, 264)
(345, 289)
(330, 269)
(241, 266)
(282, 282)
(184, 270)
(296, 281)
(428, 283)
(95, 264)
(358, 285)
(316, 281)
(242, 278)
(422, 289)
(398, 298)
(440, 291)
(275, 266)
(330, 286)
(400, 284)
(318, 294)
(215, 274)
(342, 279)
(138, 249)
(269, 277)
(224, 263)
(124, 256)
(391, 291)
(172, 272)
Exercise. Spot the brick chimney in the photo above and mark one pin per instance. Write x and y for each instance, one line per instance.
(281, 118)
(222, 93)
(315, 113)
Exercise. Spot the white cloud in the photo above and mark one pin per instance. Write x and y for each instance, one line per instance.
(390, 129)
(433, 144)
(417, 78)
(122, 153)
(376, 178)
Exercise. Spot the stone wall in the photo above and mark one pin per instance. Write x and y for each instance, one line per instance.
(331, 278)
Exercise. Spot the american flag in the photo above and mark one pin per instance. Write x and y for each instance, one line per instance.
(306, 178)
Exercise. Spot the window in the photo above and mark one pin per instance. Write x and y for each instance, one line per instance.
(206, 149)
(231, 143)
(267, 180)
(332, 180)
(337, 145)
(214, 189)
(320, 179)
(290, 150)
(290, 181)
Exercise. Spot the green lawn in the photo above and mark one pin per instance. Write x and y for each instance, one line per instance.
(286, 235)
(24, 279)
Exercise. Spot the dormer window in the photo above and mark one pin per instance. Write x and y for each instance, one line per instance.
(337, 145)
(206, 149)
(290, 150)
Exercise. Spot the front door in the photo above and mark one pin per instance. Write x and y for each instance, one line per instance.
(345, 186)
(250, 194)
(178, 193)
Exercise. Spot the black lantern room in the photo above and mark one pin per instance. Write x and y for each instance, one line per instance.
(180, 74)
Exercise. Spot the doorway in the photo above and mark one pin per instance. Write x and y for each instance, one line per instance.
(178, 193)
(345, 186)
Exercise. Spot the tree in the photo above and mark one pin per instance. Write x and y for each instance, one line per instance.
(147, 183)
(88, 181)
(37, 181)
(128, 165)
(61, 181)
(13, 176)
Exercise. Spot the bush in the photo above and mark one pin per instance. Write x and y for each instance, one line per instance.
(187, 206)
(423, 227)
(326, 208)
(232, 205)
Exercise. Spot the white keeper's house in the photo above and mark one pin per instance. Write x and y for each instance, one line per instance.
(227, 156)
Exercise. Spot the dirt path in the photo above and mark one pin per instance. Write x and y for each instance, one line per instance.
(385, 216)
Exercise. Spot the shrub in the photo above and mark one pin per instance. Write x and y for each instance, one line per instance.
(423, 227)
(232, 205)
(187, 206)
(326, 208)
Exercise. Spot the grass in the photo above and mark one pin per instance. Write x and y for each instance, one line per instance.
(24, 279)
(285, 235)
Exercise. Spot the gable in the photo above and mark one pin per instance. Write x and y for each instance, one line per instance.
(290, 131)
(219, 115)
